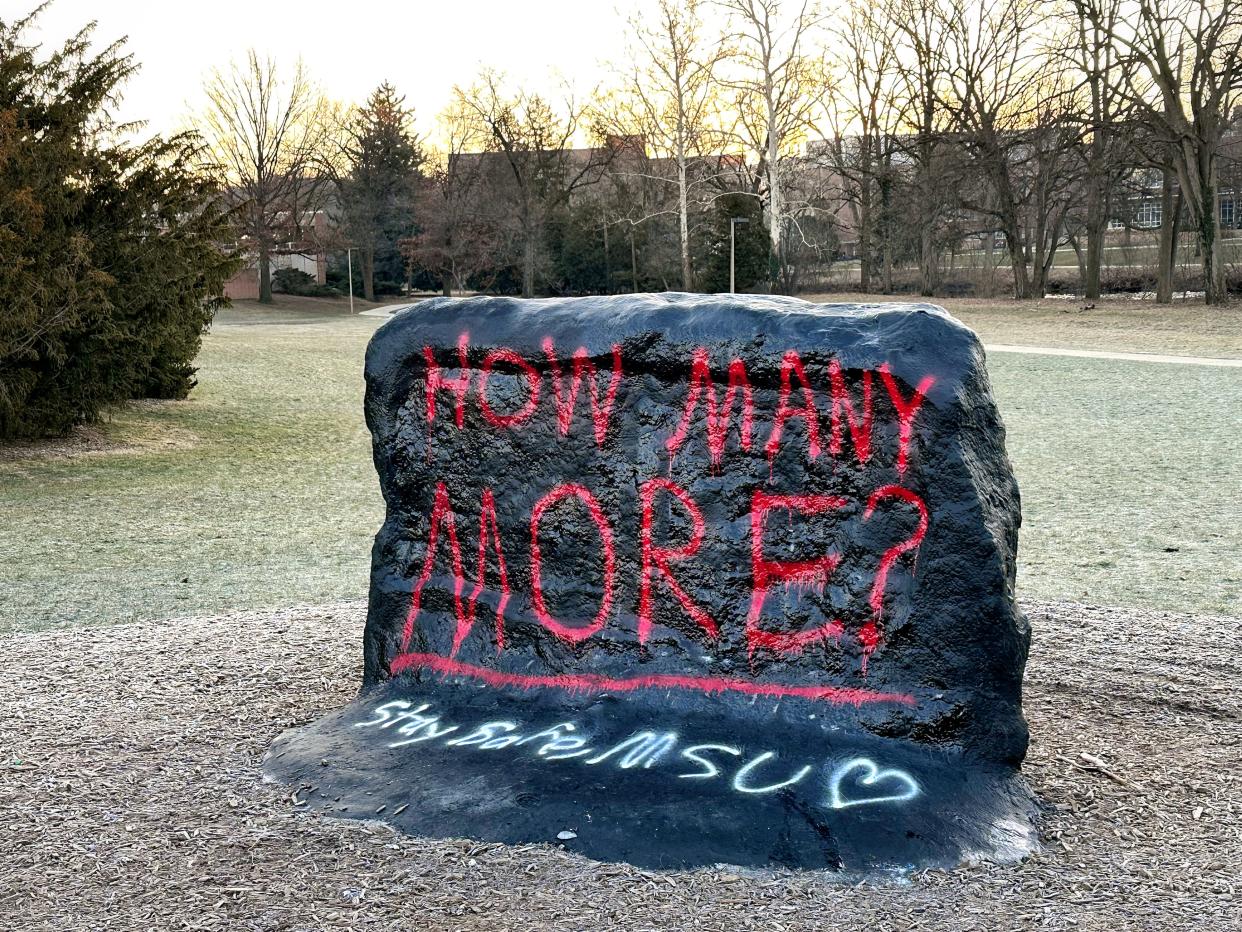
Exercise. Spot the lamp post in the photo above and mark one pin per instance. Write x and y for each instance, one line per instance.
(733, 222)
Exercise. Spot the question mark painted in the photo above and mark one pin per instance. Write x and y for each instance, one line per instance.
(869, 635)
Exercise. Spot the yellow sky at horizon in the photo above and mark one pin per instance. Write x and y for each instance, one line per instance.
(421, 48)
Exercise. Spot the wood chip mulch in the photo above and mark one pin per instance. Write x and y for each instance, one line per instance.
(130, 798)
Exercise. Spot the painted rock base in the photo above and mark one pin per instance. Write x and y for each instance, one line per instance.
(686, 579)
(758, 791)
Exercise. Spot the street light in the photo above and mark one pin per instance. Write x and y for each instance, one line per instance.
(733, 222)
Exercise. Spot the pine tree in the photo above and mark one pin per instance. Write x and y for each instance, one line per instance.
(751, 247)
(109, 263)
(382, 165)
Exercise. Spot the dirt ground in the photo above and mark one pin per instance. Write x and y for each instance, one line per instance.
(130, 798)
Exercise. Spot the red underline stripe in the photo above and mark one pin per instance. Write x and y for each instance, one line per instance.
(592, 682)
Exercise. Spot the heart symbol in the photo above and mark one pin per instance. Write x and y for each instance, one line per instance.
(872, 774)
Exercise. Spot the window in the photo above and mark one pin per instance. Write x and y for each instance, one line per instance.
(1227, 219)
(1149, 214)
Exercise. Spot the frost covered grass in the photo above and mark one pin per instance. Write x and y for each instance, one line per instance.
(1130, 475)
(266, 497)
(259, 492)
(1117, 323)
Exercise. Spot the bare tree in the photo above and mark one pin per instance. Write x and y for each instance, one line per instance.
(1108, 148)
(533, 147)
(632, 199)
(458, 239)
(864, 110)
(1180, 66)
(1010, 106)
(266, 131)
(922, 66)
(670, 98)
(775, 80)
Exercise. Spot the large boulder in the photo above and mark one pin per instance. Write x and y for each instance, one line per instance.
(689, 579)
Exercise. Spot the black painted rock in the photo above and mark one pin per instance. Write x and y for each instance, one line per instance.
(690, 579)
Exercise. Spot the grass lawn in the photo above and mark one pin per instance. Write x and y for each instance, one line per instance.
(259, 491)
(1118, 324)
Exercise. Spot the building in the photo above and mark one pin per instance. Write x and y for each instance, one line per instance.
(308, 254)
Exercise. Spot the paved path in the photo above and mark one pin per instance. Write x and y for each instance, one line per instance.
(1104, 354)
(386, 310)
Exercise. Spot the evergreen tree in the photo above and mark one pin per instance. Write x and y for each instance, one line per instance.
(382, 165)
(751, 246)
(109, 263)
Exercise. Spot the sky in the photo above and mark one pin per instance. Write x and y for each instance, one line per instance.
(421, 47)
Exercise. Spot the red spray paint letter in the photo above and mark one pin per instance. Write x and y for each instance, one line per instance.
(717, 419)
(487, 518)
(791, 364)
(523, 414)
(813, 573)
(583, 368)
(441, 513)
(843, 404)
(563, 631)
(869, 635)
(906, 410)
(436, 382)
(655, 560)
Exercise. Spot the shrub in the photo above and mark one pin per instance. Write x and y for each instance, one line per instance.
(297, 282)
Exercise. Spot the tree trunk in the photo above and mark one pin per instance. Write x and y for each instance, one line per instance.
(368, 273)
(865, 246)
(886, 228)
(683, 211)
(1080, 255)
(888, 265)
(989, 260)
(1166, 257)
(775, 208)
(1046, 256)
(528, 265)
(607, 263)
(1017, 262)
(1214, 290)
(1037, 286)
(265, 274)
(927, 242)
(446, 285)
(633, 264)
(1097, 223)
(776, 205)
(927, 261)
